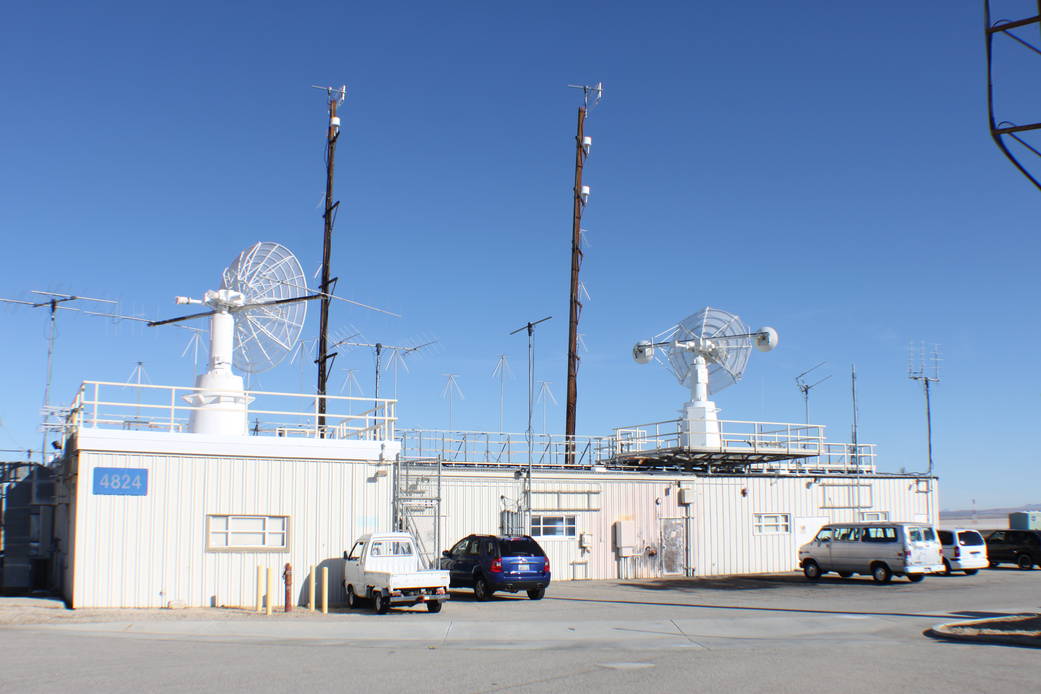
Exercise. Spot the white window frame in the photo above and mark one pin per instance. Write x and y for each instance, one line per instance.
(569, 524)
(772, 524)
(274, 531)
(874, 516)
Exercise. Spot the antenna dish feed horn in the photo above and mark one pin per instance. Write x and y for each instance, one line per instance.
(765, 339)
(643, 352)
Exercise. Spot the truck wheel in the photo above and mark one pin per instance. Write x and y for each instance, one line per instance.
(946, 568)
(352, 598)
(537, 593)
(881, 573)
(380, 602)
(481, 591)
(1024, 562)
(433, 606)
(811, 570)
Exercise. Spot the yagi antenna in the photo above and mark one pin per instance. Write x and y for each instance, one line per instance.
(591, 95)
(338, 93)
(805, 387)
(55, 302)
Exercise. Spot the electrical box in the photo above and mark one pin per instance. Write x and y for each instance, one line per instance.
(686, 496)
(625, 538)
(585, 541)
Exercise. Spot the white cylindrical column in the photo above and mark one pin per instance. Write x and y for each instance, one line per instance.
(699, 380)
(222, 341)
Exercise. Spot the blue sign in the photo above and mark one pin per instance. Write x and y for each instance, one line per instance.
(125, 481)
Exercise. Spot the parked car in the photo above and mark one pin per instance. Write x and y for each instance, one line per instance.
(1019, 547)
(384, 568)
(490, 563)
(964, 549)
(880, 550)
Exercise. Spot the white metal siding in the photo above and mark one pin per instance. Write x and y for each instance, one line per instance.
(146, 551)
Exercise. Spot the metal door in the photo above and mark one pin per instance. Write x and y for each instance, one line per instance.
(673, 546)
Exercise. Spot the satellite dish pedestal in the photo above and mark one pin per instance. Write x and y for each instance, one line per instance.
(223, 403)
(699, 421)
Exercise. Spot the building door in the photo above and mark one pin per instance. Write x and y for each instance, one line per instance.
(673, 546)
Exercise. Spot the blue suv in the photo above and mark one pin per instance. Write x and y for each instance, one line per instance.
(488, 563)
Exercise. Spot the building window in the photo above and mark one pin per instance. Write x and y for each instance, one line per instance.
(874, 516)
(772, 524)
(247, 533)
(553, 526)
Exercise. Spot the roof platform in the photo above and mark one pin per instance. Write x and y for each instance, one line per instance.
(743, 447)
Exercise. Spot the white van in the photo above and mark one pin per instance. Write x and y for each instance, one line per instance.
(964, 549)
(880, 550)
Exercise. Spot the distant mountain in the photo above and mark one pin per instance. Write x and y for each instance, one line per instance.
(988, 512)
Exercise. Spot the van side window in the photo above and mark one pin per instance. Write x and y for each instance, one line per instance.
(880, 534)
(847, 534)
(824, 535)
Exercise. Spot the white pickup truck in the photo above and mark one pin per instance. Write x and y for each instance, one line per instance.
(384, 568)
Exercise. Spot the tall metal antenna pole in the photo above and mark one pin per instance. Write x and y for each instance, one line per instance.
(580, 195)
(856, 419)
(530, 327)
(919, 372)
(336, 97)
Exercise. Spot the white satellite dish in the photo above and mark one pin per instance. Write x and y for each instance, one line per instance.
(706, 351)
(255, 321)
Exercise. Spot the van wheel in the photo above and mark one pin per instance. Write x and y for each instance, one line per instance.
(1024, 562)
(881, 573)
(434, 606)
(946, 568)
(915, 578)
(352, 598)
(971, 572)
(811, 570)
(380, 602)
(481, 591)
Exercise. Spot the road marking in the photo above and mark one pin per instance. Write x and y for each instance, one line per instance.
(626, 666)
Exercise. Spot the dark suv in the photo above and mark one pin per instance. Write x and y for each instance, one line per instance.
(1019, 547)
(488, 563)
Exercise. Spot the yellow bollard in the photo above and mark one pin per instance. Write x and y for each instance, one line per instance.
(325, 590)
(310, 592)
(270, 584)
(260, 588)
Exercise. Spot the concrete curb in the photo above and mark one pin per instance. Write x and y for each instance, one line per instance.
(946, 632)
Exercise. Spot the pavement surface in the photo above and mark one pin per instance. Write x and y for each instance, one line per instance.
(773, 633)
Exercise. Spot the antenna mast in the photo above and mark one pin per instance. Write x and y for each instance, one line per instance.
(336, 97)
(920, 372)
(581, 196)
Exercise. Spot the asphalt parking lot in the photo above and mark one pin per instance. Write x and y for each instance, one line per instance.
(771, 633)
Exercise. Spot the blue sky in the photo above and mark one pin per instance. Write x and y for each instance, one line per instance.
(819, 167)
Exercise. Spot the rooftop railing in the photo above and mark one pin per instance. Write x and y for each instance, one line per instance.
(495, 448)
(146, 407)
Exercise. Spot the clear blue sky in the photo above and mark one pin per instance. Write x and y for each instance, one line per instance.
(824, 168)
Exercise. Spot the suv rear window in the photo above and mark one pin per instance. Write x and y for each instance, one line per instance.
(969, 538)
(947, 537)
(520, 547)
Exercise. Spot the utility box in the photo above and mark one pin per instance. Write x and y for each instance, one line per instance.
(686, 496)
(1024, 520)
(625, 538)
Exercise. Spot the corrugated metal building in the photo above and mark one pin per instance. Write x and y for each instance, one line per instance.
(147, 515)
(151, 518)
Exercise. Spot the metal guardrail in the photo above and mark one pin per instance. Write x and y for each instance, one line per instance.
(792, 447)
(142, 406)
(494, 448)
(736, 436)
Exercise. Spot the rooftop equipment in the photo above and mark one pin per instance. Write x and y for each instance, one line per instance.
(706, 351)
